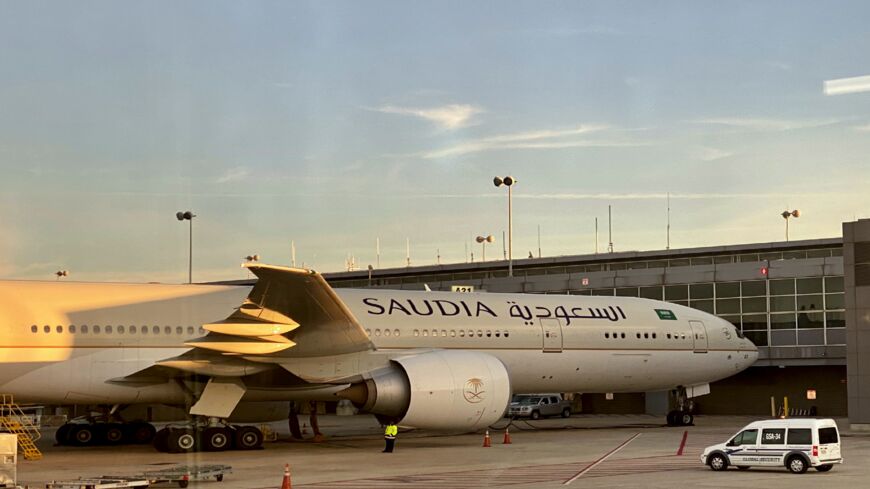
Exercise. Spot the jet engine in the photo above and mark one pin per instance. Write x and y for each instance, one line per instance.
(437, 390)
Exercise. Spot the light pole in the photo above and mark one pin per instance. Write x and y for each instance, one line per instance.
(786, 215)
(181, 216)
(251, 259)
(508, 182)
(483, 240)
(61, 273)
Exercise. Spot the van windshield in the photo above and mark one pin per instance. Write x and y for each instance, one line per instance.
(828, 435)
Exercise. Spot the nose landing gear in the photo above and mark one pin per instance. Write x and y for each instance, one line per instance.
(682, 415)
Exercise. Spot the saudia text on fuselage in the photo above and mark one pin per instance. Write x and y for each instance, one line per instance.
(477, 308)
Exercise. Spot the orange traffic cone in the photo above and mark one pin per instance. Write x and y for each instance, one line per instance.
(285, 484)
(487, 441)
(507, 437)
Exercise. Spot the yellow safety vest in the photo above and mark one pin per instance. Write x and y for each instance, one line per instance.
(391, 431)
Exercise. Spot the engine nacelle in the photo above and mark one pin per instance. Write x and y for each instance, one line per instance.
(437, 390)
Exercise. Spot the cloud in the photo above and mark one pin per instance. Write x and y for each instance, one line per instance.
(234, 174)
(765, 125)
(541, 139)
(705, 153)
(621, 196)
(864, 128)
(450, 117)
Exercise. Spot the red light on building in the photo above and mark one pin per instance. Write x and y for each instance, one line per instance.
(764, 271)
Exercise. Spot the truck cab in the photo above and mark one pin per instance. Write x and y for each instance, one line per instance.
(535, 406)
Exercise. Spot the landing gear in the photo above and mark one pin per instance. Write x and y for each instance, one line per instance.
(682, 416)
(89, 432)
(214, 438)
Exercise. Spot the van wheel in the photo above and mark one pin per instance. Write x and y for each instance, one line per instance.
(825, 468)
(796, 464)
(743, 467)
(535, 415)
(566, 413)
(717, 462)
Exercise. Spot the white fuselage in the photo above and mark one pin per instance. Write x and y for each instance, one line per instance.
(62, 342)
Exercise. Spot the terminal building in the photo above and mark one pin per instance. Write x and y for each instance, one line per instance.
(805, 304)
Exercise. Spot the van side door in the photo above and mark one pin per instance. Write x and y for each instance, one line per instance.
(771, 447)
(743, 448)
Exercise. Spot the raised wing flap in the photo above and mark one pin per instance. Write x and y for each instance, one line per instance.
(250, 328)
(327, 327)
(242, 345)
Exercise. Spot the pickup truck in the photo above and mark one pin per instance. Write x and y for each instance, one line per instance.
(536, 405)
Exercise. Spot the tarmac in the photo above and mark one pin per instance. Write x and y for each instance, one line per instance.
(585, 451)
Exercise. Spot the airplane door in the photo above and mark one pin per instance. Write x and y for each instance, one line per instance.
(699, 336)
(551, 332)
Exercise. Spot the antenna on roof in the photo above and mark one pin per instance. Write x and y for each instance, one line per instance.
(609, 230)
(668, 246)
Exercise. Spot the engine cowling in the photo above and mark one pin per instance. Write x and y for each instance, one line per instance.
(437, 390)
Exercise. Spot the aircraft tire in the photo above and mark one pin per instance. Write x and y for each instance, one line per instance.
(82, 435)
(672, 418)
(112, 434)
(216, 439)
(161, 439)
(140, 432)
(61, 436)
(182, 441)
(248, 438)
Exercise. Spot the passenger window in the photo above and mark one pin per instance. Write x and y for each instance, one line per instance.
(462, 333)
(506, 334)
(190, 330)
(646, 336)
(155, 330)
(488, 334)
(416, 332)
(480, 333)
(85, 328)
(800, 436)
(453, 333)
(96, 329)
(72, 328)
(378, 332)
(773, 436)
(59, 329)
(121, 329)
(46, 328)
(144, 329)
(425, 332)
(34, 329)
(132, 329)
(654, 336)
(607, 335)
(828, 435)
(497, 333)
(395, 332)
(108, 329)
(638, 335)
(167, 329)
(669, 336)
(386, 332)
(623, 335)
(179, 330)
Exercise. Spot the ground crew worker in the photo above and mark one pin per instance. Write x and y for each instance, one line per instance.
(390, 434)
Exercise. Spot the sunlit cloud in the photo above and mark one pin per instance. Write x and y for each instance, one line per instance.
(864, 128)
(541, 139)
(766, 125)
(705, 153)
(450, 117)
(843, 86)
(234, 174)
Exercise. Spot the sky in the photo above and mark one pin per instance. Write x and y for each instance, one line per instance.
(334, 124)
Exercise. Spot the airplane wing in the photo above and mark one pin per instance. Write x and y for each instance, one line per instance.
(290, 312)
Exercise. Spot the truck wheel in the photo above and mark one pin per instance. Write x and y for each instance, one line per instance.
(796, 464)
(717, 462)
(566, 413)
(825, 468)
(535, 415)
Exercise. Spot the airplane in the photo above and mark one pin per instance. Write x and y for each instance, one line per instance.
(425, 359)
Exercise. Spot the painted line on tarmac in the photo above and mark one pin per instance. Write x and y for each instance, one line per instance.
(600, 460)
(683, 443)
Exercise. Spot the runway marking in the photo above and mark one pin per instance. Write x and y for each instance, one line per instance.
(683, 443)
(600, 460)
(538, 474)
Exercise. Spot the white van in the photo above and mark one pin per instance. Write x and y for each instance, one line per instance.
(795, 444)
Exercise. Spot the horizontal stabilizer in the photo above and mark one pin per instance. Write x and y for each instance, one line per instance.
(252, 328)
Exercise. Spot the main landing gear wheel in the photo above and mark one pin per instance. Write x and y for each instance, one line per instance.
(215, 439)
(182, 441)
(161, 440)
(61, 436)
(82, 435)
(113, 434)
(140, 433)
(680, 418)
(248, 438)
